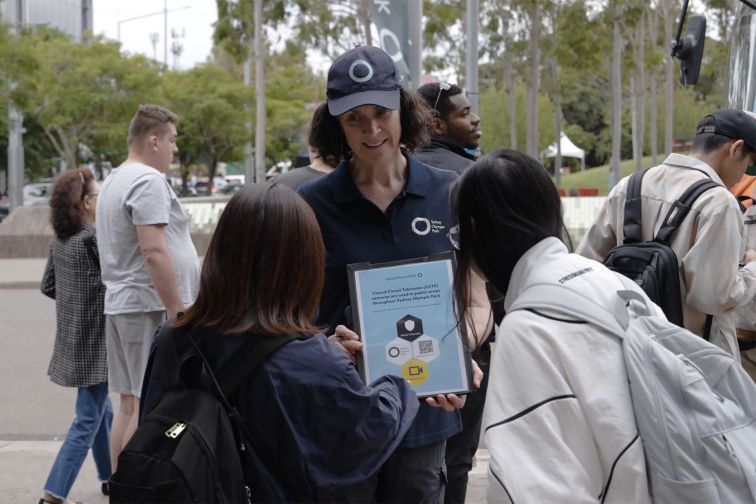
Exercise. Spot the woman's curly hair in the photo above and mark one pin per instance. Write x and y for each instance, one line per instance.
(415, 116)
(67, 201)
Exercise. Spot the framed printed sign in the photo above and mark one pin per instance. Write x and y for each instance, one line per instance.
(404, 313)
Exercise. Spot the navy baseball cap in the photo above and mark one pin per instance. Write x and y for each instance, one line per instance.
(731, 123)
(365, 75)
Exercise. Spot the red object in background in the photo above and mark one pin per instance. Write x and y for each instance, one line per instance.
(588, 191)
(561, 192)
(682, 144)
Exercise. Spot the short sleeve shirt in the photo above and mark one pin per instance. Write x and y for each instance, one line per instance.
(355, 230)
(298, 176)
(137, 195)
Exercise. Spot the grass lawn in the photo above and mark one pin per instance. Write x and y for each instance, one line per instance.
(599, 176)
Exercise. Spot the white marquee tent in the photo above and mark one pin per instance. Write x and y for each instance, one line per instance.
(569, 149)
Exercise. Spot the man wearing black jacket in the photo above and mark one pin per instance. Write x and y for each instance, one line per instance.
(456, 128)
(456, 133)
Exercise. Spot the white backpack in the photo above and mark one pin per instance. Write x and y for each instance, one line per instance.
(695, 407)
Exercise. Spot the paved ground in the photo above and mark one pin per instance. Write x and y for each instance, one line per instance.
(21, 273)
(24, 466)
(36, 413)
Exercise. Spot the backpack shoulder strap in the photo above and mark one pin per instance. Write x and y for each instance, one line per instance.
(680, 209)
(741, 202)
(556, 297)
(226, 379)
(252, 354)
(167, 357)
(224, 382)
(631, 227)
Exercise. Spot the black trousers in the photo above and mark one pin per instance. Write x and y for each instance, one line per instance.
(410, 475)
(461, 448)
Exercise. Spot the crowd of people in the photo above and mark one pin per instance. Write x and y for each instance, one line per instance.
(553, 397)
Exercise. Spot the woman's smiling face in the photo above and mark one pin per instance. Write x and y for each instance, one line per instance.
(372, 132)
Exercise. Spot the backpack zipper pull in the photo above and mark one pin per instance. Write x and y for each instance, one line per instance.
(242, 444)
(176, 430)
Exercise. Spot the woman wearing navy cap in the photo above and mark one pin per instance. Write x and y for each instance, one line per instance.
(382, 205)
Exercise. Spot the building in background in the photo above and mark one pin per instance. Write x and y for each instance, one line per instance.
(73, 17)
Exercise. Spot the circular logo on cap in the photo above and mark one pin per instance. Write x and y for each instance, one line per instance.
(359, 64)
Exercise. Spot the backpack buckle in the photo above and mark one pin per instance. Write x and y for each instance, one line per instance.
(176, 430)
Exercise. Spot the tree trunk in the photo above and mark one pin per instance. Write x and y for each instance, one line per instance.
(634, 118)
(534, 57)
(63, 145)
(640, 97)
(260, 94)
(654, 89)
(363, 13)
(511, 102)
(212, 167)
(184, 180)
(558, 124)
(669, 82)
(616, 98)
(557, 100)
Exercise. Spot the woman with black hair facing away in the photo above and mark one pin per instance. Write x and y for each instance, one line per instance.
(315, 424)
(380, 205)
(72, 279)
(559, 421)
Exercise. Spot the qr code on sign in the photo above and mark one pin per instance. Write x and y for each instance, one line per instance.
(425, 347)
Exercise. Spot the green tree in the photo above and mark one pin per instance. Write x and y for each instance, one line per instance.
(291, 86)
(331, 26)
(442, 47)
(83, 94)
(18, 66)
(235, 26)
(210, 103)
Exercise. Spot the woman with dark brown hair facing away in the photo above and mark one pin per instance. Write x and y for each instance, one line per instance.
(316, 425)
(72, 279)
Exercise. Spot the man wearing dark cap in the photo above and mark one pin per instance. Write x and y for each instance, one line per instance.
(708, 241)
(456, 128)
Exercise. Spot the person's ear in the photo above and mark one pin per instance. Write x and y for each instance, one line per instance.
(438, 126)
(736, 149)
(153, 143)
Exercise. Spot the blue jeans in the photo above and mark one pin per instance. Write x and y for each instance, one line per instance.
(90, 429)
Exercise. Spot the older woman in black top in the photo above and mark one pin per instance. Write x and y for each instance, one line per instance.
(72, 279)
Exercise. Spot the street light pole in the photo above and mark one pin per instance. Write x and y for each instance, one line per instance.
(249, 150)
(471, 39)
(165, 33)
(163, 12)
(15, 135)
(260, 95)
(415, 12)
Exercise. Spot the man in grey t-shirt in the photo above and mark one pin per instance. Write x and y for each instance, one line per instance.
(149, 264)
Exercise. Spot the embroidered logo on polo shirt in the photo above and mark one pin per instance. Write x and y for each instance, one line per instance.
(422, 226)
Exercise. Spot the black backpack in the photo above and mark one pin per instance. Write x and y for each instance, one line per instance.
(191, 446)
(653, 265)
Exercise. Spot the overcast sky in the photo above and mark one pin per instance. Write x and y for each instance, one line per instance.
(195, 22)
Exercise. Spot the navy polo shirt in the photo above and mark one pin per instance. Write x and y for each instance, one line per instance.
(355, 230)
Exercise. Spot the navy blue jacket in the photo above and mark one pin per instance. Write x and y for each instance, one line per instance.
(444, 154)
(310, 412)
